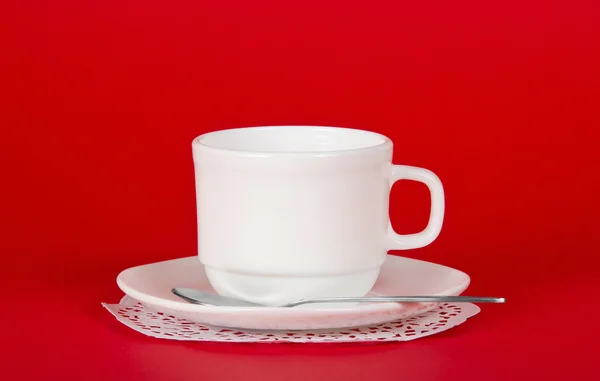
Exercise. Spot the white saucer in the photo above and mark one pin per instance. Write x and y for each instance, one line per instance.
(151, 285)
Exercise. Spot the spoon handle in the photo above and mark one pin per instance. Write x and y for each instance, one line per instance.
(400, 299)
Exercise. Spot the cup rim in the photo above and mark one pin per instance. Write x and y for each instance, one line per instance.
(385, 144)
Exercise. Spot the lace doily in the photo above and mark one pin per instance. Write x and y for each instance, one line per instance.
(156, 324)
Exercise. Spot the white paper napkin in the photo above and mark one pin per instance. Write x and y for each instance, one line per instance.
(156, 324)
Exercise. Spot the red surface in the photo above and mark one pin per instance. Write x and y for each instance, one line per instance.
(99, 102)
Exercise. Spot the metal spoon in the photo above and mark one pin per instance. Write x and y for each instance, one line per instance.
(207, 298)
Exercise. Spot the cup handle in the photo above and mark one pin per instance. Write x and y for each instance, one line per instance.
(436, 216)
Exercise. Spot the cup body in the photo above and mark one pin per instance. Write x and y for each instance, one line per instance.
(287, 212)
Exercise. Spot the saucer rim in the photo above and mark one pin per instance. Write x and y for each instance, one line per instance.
(184, 306)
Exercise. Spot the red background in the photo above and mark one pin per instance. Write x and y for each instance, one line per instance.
(99, 102)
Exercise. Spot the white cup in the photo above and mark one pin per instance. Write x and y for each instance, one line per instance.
(288, 212)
